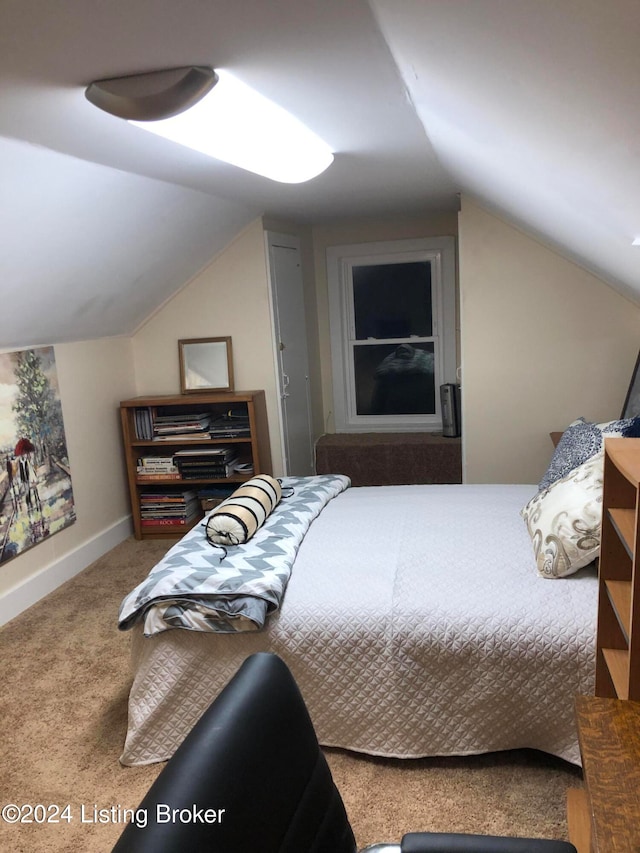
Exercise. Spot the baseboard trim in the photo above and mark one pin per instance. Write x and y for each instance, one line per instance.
(37, 586)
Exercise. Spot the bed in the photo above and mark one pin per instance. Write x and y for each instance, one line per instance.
(416, 623)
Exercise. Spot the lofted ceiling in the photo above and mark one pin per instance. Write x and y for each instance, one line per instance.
(527, 105)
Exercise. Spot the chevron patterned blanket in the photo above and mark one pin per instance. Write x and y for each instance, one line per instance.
(201, 587)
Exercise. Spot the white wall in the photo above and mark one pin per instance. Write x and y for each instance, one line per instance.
(93, 377)
(543, 342)
(229, 297)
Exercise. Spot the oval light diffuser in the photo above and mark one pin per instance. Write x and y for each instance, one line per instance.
(152, 95)
(237, 125)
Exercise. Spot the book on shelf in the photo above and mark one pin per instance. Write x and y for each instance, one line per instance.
(179, 506)
(230, 426)
(220, 451)
(170, 416)
(180, 428)
(208, 474)
(143, 423)
(176, 438)
(174, 425)
(157, 469)
(202, 463)
(163, 499)
(150, 478)
(165, 522)
(171, 512)
(156, 460)
(229, 432)
(169, 494)
(167, 425)
(206, 463)
(172, 507)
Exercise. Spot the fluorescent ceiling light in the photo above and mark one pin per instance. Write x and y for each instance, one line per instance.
(236, 124)
(218, 115)
(636, 241)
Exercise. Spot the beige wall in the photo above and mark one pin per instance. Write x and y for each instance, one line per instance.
(93, 377)
(229, 297)
(359, 231)
(543, 342)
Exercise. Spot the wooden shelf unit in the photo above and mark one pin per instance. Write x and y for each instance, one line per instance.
(618, 636)
(254, 448)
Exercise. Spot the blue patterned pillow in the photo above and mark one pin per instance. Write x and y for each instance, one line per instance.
(582, 440)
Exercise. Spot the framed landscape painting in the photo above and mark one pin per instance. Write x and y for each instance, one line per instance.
(36, 497)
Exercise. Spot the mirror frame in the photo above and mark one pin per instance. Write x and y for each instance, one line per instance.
(215, 355)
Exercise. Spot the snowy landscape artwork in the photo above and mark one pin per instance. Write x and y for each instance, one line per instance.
(36, 498)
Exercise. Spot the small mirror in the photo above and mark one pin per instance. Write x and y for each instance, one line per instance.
(205, 365)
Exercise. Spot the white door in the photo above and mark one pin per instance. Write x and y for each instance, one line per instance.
(293, 359)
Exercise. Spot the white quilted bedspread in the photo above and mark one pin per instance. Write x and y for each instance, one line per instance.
(415, 623)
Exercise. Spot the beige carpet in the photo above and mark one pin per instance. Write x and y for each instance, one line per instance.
(64, 670)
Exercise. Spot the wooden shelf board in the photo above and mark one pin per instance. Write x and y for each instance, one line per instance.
(620, 596)
(617, 661)
(190, 401)
(624, 521)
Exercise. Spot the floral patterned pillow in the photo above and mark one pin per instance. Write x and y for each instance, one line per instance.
(582, 440)
(564, 520)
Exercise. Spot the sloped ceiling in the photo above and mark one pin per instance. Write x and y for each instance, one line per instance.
(531, 106)
(527, 105)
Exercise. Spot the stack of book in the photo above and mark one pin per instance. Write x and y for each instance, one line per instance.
(169, 508)
(157, 468)
(181, 427)
(206, 463)
(233, 424)
(143, 421)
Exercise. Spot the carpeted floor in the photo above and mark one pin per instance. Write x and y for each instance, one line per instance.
(64, 670)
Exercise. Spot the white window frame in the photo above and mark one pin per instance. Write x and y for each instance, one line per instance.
(440, 252)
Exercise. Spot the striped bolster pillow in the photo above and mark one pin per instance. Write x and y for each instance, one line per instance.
(237, 518)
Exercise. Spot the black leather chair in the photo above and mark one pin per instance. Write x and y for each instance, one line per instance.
(251, 778)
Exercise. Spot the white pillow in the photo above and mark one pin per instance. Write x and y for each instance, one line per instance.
(564, 520)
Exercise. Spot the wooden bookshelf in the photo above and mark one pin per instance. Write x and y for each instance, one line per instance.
(618, 636)
(253, 447)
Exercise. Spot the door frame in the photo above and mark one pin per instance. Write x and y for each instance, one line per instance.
(294, 242)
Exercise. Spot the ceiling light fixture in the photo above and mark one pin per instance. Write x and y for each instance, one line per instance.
(218, 115)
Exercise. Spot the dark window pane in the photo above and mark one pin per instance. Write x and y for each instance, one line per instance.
(394, 380)
(392, 300)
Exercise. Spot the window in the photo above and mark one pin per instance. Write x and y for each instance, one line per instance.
(392, 317)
